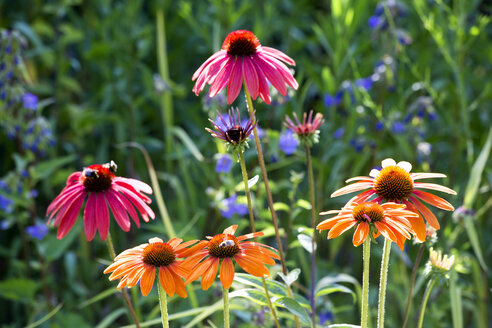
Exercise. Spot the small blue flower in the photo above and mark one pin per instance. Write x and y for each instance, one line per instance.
(24, 174)
(357, 144)
(3, 95)
(398, 127)
(375, 21)
(38, 231)
(30, 101)
(365, 83)
(223, 164)
(34, 193)
(325, 317)
(333, 100)
(338, 133)
(379, 126)
(4, 225)
(231, 207)
(2, 66)
(6, 204)
(408, 118)
(288, 143)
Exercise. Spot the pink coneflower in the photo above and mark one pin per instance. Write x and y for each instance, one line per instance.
(242, 58)
(308, 130)
(395, 183)
(103, 187)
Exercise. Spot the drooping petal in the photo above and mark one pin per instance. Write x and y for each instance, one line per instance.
(226, 273)
(222, 78)
(250, 77)
(360, 234)
(209, 276)
(118, 211)
(357, 186)
(90, 225)
(272, 75)
(218, 54)
(137, 184)
(340, 227)
(282, 69)
(433, 200)
(235, 81)
(179, 286)
(199, 270)
(426, 213)
(264, 90)
(434, 186)
(102, 215)
(279, 54)
(418, 224)
(251, 266)
(147, 280)
(68, 219)
(416, 176)
(167, 281)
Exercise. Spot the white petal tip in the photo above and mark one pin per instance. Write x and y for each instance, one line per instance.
(405, 165)
(388, 162)
(374, 173)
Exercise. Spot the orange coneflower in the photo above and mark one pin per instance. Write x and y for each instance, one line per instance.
(389, 219)
(250, 256)
(395, 183)
(140, 264)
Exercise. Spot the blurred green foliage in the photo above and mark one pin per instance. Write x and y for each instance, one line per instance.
(94, 67)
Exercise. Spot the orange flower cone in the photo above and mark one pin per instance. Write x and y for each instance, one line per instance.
(250, 256)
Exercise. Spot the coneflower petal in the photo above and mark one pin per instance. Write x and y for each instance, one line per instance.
(227, 273)
(90, 225)
(166, 280)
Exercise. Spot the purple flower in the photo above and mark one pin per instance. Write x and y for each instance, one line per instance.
(231, 207)
(223, 164)
(379, 126)
(338, 133)
(325, 317)
(38, 231)
(398, 127)
(6, 204)
(365, 83)
(333, 100)
(288, 143)
(30, 101)
(375, 21)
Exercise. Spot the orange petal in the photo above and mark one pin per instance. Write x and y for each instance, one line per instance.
(360, 233)
(385, 231)
(328, 223)
(433, 200)
(179, 286)
(341, 227)
(147, 280)
(186, 252)
(357, 186)
(134, 276)
(418, 224)
(261, 257)
(199, 270)
(167, 280)
(227, 273)
(426, 213)
(251, 266)
(250, 235)
(231, 230)
(434, 186)
(178, 268)
(263, 250)
(185, 244)
(174, 242)
(209, 276)
(193, 260)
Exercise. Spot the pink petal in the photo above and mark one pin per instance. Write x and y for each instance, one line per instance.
(66, 206)
(235, 81)
(68, 220)
(284, 71)
(433, 200)
(250, 77)
(416, 176)
(209, 74)
(216, 55)
(62, 198)
(144, 210)
(222, 78)
(133, 190)
(118, 210)
(102, 215)
(272, 75)
(137, 184)
(90, 216)
(279, 54)
(264, 90)
(353, 188)
(434, 186)
(129, 208)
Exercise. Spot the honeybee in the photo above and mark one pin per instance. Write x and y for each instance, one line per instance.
(226, 243)
(90, 173)
(111, 166)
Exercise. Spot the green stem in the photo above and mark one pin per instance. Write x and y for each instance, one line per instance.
(269, 194)
(427, 292)
(265, 182)
(128, 302)
(162, 303)
(313, 226)
(225, 295)
(166, 97)
(412, 283)
(253, 229)
(365, 283)
(383, 281)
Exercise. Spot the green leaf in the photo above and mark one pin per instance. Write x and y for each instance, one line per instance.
(274, 287)
(291, 276)
(279, 206)
(304, 204)
(333, 289)
(181, 134)
(295, 308)
(455, 295)
(18, 289)
(343, 325)
(51, 248)
(254, 295)
(46, 317)
(45, 169)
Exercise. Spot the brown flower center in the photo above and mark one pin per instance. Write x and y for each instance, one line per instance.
(158, 254)
(241, 43)
(235, 134)
(97, 178)
(368, 212)
(393, 184)
(223, 245)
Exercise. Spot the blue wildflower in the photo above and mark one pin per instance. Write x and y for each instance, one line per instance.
(30, 101)
(398, 127)
(223, 164)
(357, 144)
(333, 100)
(6, 204)
(379, 126)
(38, 231)
(230, 207)
(375, 22)
(338, 133)
(325, 317)
(288, 143)
(365, 83)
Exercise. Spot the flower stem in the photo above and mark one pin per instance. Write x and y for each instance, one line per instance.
(162, 302)
(166, 97)
(109, 242)
(427, 292)
(225, 296)
(383, 281)
(412, 283)
(269, 194)
(365, 283)
(253, 229)
(313, 226)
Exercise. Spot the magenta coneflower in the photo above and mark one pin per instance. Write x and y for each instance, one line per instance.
(231, 129)
(103, 188)
(308, 130)
(242, 58)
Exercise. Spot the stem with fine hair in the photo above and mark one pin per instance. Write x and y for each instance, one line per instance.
(109, 243)
(162, 302)
(166, 97)
(313, 226)
(225, 296)
(412, 283)
(253, 229)
(269, 194)
(383, 281)
(427, 292)
(365, 283)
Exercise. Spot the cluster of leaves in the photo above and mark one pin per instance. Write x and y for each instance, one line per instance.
(411, 85)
